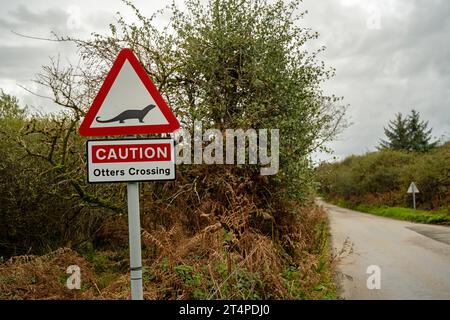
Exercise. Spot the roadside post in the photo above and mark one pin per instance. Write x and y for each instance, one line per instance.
(128, 103)
(134, 225)
(413, 189)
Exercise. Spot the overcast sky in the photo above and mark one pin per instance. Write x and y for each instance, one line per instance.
(390, 55)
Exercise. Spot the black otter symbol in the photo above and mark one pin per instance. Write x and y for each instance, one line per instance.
(129, 114)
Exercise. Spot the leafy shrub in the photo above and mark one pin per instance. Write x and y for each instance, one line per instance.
(44, 201)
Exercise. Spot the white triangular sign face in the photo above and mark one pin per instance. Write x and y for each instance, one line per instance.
(128, 103)
(413, 188)
(136, 98)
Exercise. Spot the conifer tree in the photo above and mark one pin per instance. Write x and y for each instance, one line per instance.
(408, 134)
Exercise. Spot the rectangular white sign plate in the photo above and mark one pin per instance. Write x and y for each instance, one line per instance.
(130, 160)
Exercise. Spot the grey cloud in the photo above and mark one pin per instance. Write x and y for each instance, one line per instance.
(53, 16)
(21, 18)
(403, 65)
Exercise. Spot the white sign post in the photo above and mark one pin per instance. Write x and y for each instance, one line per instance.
(128, 103)
(132, 161)
(413, 189)
(134, 226)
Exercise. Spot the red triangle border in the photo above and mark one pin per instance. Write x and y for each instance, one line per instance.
(127, 54)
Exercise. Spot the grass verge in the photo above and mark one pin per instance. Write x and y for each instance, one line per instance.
(420, 216)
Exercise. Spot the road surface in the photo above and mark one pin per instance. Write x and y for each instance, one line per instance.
(413, 259)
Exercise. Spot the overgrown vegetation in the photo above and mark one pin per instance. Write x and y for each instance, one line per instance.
(210, 264)
(44, 201)
(382, 179)
(219, 232)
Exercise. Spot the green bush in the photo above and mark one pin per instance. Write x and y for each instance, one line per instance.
(43, 195)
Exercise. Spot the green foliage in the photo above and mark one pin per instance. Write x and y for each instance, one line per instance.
(43, 190)
(292, 277)
(408, 134)
(248, 285)
(397, 134)
(165, 265)
(241, 284)
(188, 276)
(420, 134)
(383, 178)
(9, 107)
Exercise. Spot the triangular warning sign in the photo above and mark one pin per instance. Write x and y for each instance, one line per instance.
(128, 103)
(413, 188)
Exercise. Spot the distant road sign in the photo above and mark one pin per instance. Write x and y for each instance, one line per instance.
(413, 188)
(130, 160)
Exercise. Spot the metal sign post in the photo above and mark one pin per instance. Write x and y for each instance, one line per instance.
(134, 227)
(131, 161)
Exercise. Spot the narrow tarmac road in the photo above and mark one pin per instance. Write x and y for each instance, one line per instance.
(413, 259)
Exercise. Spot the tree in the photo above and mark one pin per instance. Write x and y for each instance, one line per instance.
(397, 134)
(243, 64)
(408, 134)
(419, 134)
(9, 106)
